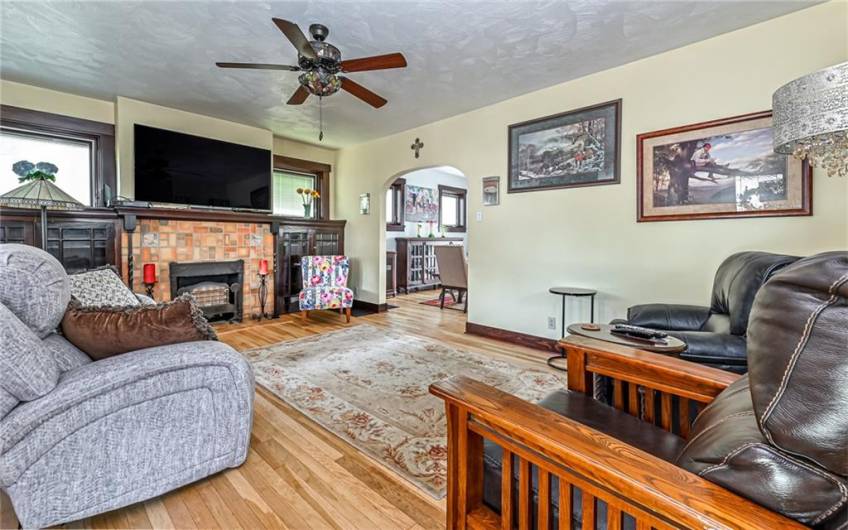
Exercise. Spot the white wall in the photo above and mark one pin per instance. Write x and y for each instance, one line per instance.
(426, 178)
(37, 98)
(589, 236)
(304, 151)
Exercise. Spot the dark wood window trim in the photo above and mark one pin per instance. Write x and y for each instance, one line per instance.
(322, 175)
(461, 206)
(398, 188)
(100, 135)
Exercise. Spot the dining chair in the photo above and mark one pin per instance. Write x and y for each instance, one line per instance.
(453, 272)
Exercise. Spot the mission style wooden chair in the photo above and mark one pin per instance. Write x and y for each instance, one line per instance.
(656, 493)
(793, 459)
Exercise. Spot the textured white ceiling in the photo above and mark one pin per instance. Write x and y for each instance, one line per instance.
(461, 55)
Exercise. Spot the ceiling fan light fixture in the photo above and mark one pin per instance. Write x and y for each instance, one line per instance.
(321, 64)
(320, 82)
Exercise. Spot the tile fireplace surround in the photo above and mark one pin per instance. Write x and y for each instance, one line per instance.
(163, 241)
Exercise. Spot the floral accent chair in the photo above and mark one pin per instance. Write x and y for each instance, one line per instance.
(325, 284)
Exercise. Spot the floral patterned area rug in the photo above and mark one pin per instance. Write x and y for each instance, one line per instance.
(369, 386)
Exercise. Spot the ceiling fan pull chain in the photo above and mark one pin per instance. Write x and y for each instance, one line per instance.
(320, 118)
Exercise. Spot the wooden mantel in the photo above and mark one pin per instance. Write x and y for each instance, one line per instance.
(111, 236)
(181, 214)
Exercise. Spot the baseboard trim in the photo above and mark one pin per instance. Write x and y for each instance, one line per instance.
(513, 337)
(370, 306)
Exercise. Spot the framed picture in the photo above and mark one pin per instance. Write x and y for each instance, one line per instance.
(491, 191)
(716, 169)
(421, 204)
(365, 203)
(576, 148)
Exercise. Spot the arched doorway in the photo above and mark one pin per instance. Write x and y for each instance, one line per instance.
(420, 208)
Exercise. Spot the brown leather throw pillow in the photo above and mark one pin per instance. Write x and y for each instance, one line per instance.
(106, 331)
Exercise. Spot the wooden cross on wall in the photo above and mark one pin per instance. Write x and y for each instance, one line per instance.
(417, 146)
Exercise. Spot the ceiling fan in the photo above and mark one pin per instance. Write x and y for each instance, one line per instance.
(321, 65)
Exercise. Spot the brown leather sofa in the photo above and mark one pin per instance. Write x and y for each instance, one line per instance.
(764, 449)
(779, 436)
(715, 335)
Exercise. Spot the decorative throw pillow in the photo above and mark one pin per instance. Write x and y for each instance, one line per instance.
(101, 287)
(106, 331)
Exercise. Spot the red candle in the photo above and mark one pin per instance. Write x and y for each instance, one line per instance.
(149, 273)
(263, 267)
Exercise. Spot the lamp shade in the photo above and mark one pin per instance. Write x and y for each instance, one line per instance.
(811, 118)
(40, 193)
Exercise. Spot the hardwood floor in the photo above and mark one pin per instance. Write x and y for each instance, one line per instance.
(297, 474)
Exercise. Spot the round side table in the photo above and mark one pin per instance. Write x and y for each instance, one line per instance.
(580, 293)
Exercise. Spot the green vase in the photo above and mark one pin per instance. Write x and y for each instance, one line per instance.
(307, 211)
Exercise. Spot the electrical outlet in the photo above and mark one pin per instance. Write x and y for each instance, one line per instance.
(552, 323)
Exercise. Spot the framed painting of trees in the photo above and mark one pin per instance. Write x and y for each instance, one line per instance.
(716, 169)
(576, 148)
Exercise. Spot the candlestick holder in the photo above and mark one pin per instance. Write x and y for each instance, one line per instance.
(149, 278)
(263, 294)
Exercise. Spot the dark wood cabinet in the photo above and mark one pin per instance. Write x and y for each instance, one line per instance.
(82, 245)
(391, 273)
(298, 238)
(18, 231)
(416, 262)
(79, 240)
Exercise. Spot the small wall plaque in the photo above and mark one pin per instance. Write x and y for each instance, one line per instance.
(491, 191)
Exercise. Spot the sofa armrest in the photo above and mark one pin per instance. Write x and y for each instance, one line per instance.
(713, 348)
(100, 389)
(630, 481)
(669, 317)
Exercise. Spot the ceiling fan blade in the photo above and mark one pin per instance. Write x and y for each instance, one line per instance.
(297, 38)
(299, 96)
(259, 66)
(362, 93)
(377, 62)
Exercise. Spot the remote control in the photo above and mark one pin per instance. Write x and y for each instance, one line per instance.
(638, 331)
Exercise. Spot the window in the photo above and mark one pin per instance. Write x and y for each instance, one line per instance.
(292, 173)
(72, 157)
(83, 150)
(452, 208)
(394, 206)
(287, 201)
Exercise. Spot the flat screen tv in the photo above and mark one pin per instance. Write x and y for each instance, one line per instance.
(180, 168)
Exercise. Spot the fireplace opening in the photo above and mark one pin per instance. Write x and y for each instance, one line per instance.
(217, 287)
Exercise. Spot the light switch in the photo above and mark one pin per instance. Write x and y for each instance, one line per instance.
(479, 216)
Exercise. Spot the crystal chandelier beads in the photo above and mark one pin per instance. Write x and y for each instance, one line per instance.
(811, 119)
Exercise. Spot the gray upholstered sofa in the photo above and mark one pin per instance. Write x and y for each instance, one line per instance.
(78, 437)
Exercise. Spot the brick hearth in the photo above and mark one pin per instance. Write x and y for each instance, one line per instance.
(164, 241)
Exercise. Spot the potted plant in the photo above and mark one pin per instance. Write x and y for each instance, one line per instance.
(308, 195)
